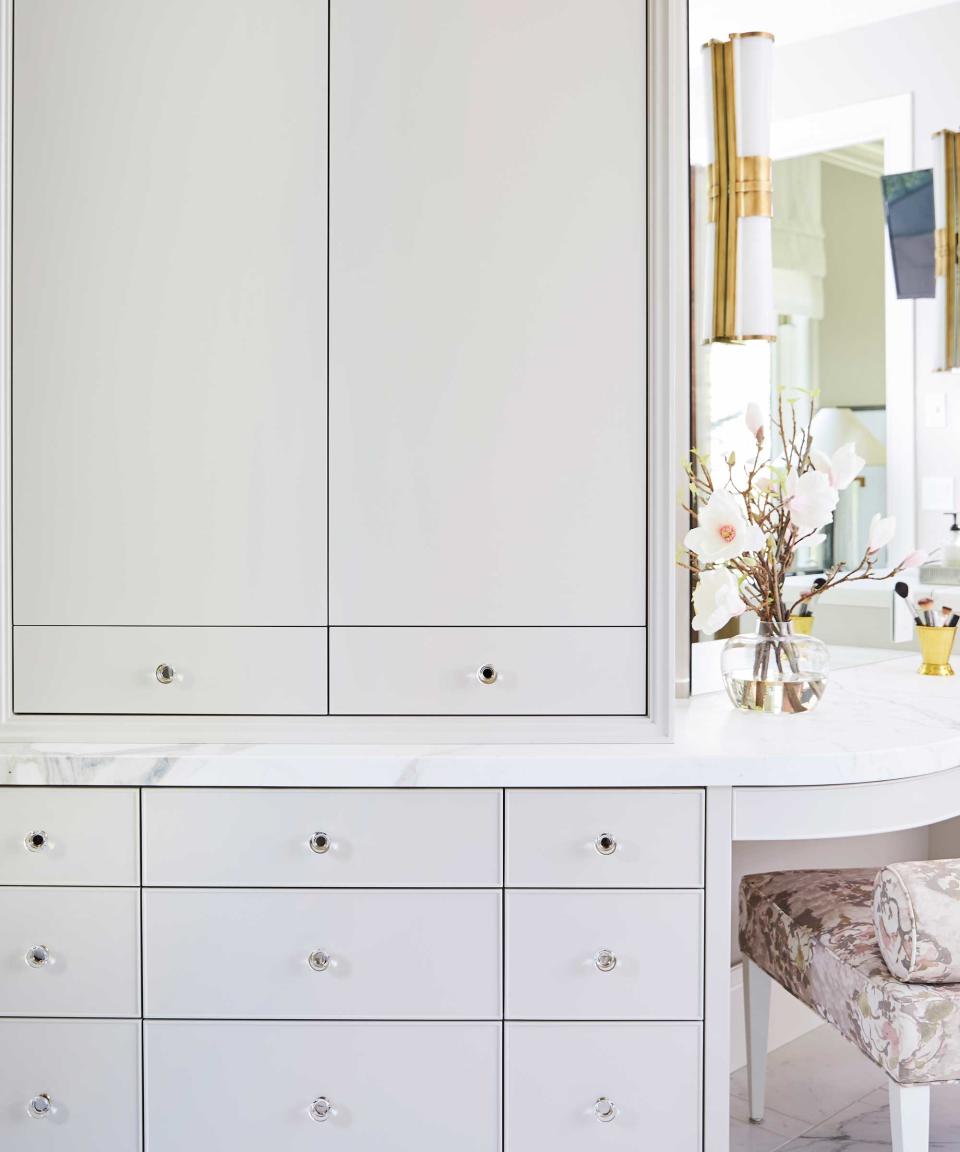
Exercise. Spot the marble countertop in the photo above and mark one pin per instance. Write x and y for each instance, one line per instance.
(879, 721)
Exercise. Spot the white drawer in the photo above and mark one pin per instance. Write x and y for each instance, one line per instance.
(386, 838)
(562, 1078)
(535, 671)
(392, 1087)
(90, 963)
(225, 671)
(90, 1072)
(605, 838)
(69, 836)
(555, 966)
(292, 954)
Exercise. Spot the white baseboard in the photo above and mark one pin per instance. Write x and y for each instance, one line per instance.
(788, 1019)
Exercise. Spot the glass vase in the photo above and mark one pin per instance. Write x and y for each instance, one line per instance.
(775, 669)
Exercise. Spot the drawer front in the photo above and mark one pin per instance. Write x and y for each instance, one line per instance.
(533, 671)
(225, 671)
(604, 955)
(366, 954)
(69, 836)
(386, 838)
(605, 838)
(89, 1070)
(84, 949)
(390, 1087)
(609, 1087)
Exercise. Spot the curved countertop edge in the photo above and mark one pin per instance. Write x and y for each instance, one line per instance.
(878, 722)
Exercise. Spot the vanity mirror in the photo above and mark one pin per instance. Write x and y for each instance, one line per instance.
(843, 341)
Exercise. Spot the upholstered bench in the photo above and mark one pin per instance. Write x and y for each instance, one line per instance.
(813, 932)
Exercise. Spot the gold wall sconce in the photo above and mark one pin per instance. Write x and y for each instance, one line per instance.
(946, 207)
(739, 242)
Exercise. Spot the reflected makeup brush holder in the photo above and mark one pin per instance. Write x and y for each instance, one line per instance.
(936, 645)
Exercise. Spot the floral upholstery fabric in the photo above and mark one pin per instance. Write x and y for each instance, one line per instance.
(813, 932)
(916, 911)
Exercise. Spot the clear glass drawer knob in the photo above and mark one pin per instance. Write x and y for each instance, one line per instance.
(319, 961)
(36, 840)
(321, 1109)
(40, 1106)
(319, 843)
(38, 956)
(605, 844)
(605, 960)
(605, 1110)
(487, 674)
(166, 673)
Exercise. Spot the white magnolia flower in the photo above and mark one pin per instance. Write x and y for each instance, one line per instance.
(811, 499)
(716, 600)
(753, 418)
(914, 560)
(843, 467)
(722, 531)
(882, 531)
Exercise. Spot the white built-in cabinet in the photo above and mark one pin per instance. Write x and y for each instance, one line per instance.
(374, 970)
(329, 357)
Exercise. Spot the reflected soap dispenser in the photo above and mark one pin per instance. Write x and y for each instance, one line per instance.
(951, 546)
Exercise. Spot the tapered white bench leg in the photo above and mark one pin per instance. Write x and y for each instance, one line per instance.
(910, 1117)
(756, 1004)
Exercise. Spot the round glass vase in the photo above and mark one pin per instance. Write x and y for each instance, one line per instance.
(775, 669)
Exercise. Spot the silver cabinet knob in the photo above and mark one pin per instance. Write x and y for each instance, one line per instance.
(38, 956)
(605, 844)
(320, 843)
(40, 1106)
(605, 960)
(166, 673)
(35, 841)
(321, 1109)
(487, 674)
(319, 961)
(605, 1110)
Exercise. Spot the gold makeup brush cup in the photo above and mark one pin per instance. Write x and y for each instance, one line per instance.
(802, 625)
(935, 647)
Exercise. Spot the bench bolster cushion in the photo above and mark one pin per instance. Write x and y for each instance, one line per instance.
(916, 911)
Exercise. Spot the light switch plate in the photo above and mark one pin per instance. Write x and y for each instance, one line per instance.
(935, 409)
(936, 494)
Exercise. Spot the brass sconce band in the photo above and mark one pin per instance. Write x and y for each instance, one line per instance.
(948, 247)
(752, 188)
(940, 252)
(723, 206)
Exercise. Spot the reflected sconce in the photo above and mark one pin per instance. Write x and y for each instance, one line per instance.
(739, 240)
(946, 208)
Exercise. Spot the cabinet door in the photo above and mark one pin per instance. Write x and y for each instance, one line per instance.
(169, 304)
(70, 1085)
(487, 331)
(354, 1087)
(301, 955)
(603, 1087)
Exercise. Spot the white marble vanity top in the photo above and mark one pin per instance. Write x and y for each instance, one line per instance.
(878, 721)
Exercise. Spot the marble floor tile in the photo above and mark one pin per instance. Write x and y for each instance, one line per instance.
(774, 1131)
(865, 1126)
(814, 1077)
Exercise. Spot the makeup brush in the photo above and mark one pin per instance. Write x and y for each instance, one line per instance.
(806, 608)
(946, 615)
(954, 619)
(903, 591)
(925, 604)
